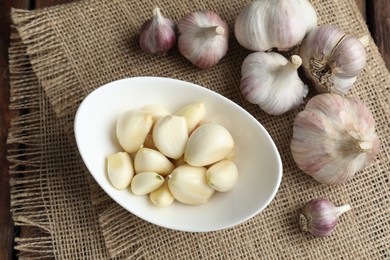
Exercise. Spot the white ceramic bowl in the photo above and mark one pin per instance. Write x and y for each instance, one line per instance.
(257, 158)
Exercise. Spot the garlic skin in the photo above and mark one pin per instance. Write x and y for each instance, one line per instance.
(120, 170)
(319, 217)
(146, 182)
(272, 82)
(333, 138)
(157, 35)
(208, 144)
(282, 24)
(203, 38)
(162, 197)
(132, 128)
(332, 60)
(222, 176)
(193, 114)
(149, 160)
(188, 185)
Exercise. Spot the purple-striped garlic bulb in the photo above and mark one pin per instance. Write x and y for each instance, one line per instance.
(333, 138)
(332, 59)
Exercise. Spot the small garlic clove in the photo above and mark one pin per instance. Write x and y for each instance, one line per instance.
(120, 169)
(188, 185)
(333, 138)
(156, 111)
(170, 135)
(162, 197)
(319, 217)
(193, 114)
(157, 35)
(149, 160)
(222, 176)
(272, 82)
(132, 128)
(203, 38)
(208, 144)
(146, 182)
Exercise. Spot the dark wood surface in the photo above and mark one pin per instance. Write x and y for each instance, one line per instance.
(375, 12)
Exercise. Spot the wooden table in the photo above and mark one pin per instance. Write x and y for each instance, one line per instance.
(375, 12)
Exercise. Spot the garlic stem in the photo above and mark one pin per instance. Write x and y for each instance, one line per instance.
(292, 65)
(364, 146)
(342, 209)
(365, 40)
(213, 31)
(157, 13)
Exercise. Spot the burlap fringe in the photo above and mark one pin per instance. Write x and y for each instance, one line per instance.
(26, 175)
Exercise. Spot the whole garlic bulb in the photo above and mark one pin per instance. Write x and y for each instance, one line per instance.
(267, 24)
(203, 38)
(333, 138)
(332, 60)
(272, 82)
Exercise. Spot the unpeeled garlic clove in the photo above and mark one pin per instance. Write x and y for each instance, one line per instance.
(333, 138)
(157, 35)
(132, 128)
(203, 38)
(146, 182)
(149, 160)
(272, 82)
(162, 197)
(266, 24)
(188, 185)
(170, 135)
(156, 111)
(332, 60)
(193, 114)
(208, 144)
(222, 176)
(120, 169)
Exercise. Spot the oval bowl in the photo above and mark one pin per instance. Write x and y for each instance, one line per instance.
(257, 158)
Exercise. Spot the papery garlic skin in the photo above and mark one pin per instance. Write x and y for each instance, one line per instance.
(203, 38)
(319, 217)
(120, 169)
(146, 182)
(157, 35)
(333, 138)
(332, 60)
(282, 24)
(222, 176)
(208, 144)
(149, 160)
(162, 197)
(188, 185)
(272, 82)
(132, 128)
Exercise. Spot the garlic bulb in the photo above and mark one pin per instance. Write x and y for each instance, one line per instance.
(319, 217)
(132, 128)
(146, 182)
(266, 24)
(333, 138)
(332, 60)
(162, 197)
(272, 82)
(170, 135)
(149, 160)
(193, 113)
(120, 169)
(203, 38)
(222, 176)
(157, 35)
(188, 185)
(208, 144)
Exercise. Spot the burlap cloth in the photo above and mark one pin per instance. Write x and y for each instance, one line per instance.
(59, 55)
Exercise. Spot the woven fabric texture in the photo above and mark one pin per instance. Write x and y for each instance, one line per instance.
(61, 54)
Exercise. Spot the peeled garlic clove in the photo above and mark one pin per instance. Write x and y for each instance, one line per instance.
(156, 111)
(157, 35)
(170, 136)
(272, 82)
(222, 176)
(203, 38)
(132, 128)
(149, 160)
(120, 170)
(332, 60)
(162, 197)
(208, 144)
(333, 138)
(193, 114)
(188, 185)
(146, 182)
(319, 217)
(267, 24)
